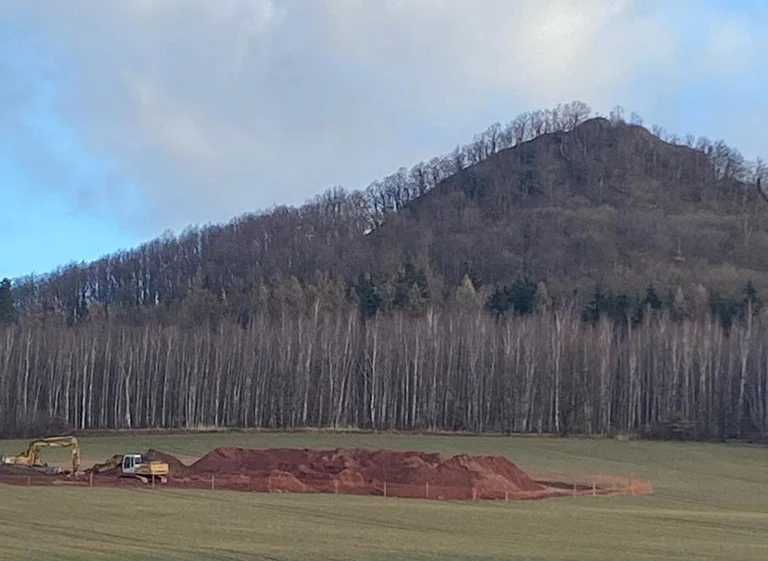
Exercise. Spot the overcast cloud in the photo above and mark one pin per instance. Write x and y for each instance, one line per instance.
(205, 109)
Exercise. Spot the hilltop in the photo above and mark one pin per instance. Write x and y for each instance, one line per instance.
(606, 203)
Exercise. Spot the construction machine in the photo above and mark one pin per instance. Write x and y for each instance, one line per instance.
(134, 466)
(30, 458)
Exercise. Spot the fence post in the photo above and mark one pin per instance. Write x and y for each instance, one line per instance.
(594, 489)
(474, 493)
(506, 496)
(631, 488)
(385, 488)
(29, 480)
(90, 479)
(336, 485)
(574, 489)
(427, 489)
(153, 483)
(213, 482)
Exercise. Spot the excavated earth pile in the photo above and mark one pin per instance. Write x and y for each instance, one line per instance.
(358, 471)
(354, 471)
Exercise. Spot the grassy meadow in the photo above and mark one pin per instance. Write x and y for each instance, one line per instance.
(710, 503)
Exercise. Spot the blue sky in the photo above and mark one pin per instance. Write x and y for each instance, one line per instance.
(120, 120)
(45, 173)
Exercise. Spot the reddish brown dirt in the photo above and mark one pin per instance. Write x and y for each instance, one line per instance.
(354, 471)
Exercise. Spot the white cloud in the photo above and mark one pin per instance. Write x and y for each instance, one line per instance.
(218, 107)
(540, 51)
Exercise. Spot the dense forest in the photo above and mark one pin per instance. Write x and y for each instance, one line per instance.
(564, 272)
(456, 370)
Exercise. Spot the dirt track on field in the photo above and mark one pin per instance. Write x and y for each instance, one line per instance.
(356, 471)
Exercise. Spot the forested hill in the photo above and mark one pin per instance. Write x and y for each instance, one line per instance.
(560, 273)
(559, 199)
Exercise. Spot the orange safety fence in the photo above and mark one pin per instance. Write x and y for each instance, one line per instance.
(552, 486)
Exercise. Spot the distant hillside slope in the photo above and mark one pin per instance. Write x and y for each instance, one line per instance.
(556, 197)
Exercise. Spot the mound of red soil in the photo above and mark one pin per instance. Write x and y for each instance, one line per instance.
(175, 467)
(362, 471)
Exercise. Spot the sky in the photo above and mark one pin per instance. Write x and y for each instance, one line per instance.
(124, 119)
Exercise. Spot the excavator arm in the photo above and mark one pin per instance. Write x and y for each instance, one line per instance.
(110, 465)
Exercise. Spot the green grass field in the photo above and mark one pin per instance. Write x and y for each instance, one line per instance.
(710, 502)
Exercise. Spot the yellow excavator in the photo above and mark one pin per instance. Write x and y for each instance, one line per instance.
(134, 466)
(31, 456)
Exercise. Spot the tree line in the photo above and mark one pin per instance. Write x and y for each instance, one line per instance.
(461, 369)
(409, 290)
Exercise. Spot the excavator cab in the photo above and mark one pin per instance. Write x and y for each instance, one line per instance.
(130, 462)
